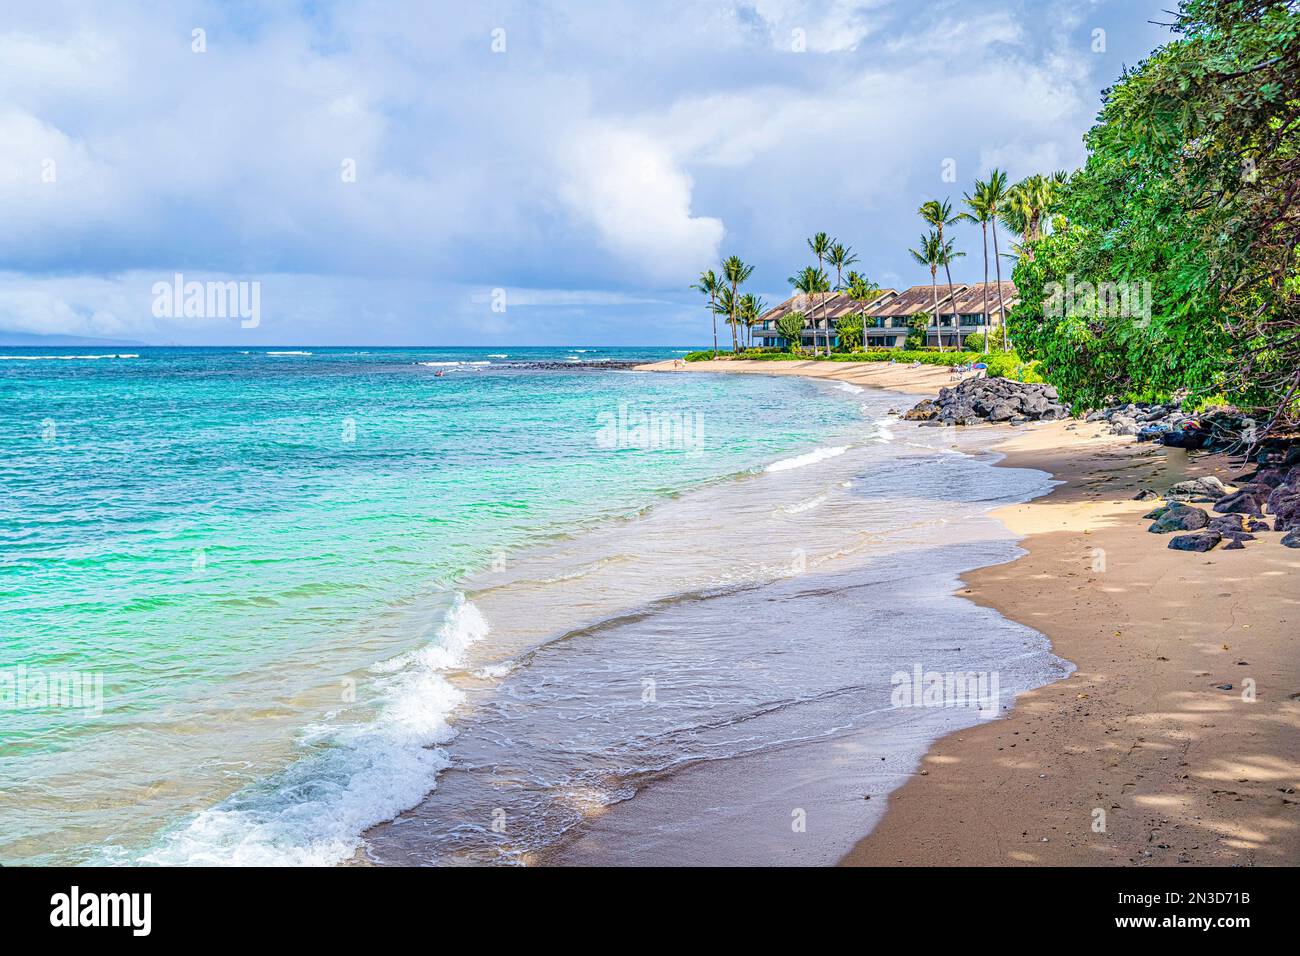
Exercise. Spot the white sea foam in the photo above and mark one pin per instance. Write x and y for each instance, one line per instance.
(848, 387)
(357, 775)
(883, 434)
(811, 458)
(499, 355)
(803, 506)
(450, 364)
(288, 353)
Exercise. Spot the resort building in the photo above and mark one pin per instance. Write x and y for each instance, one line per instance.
(889, 314)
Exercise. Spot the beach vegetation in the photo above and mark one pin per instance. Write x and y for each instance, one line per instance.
(1190, 186)
(939, 215)
(735, 273)
(820, 246)
(916, 330)
(710, 286)
(850, 328)
(790, 326)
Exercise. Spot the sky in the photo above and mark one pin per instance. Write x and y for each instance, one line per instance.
(508, 173)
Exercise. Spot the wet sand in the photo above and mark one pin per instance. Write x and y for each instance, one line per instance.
(1143, 756)
(1145, 732)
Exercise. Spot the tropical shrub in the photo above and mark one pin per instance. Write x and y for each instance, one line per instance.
(917, 326)
(974, 342)
(791, 327)
(850, 330)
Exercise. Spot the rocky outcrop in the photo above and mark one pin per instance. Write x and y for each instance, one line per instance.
(1240, 513)
(997, 400)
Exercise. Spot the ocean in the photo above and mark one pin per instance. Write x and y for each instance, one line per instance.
(312, 606)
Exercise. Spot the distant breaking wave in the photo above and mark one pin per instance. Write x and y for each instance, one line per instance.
(64, 358)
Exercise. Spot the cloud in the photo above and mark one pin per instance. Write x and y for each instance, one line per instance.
(610, 150)
(628, 185)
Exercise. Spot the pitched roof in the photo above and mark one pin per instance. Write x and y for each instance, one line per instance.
(919, 298)
(971, 300)
(841, 305)
(889, 302)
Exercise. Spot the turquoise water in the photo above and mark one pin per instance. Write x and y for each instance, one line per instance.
(225, 539)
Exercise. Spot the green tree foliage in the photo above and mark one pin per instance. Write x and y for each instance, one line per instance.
(790, 325)
(850, 329)
(917, 326)
(1192, 184)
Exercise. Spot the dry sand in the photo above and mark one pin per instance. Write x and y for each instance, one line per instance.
(1184, 771)
(919, 380)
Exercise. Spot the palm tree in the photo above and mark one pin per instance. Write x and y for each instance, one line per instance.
(709, 285)
(820, 245)
(860, 291)
(938, 215)
(726, 307)
(930, 255)
(750, 308)
(995, 197)
(1029, 202)
(979, 212)
(811, 281)
(946, 255)
(841, 257)
(737, 273)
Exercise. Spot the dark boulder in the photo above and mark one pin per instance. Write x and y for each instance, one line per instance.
(1200, 542)
(1237, 523)
(1208, 488)
(1182, 439)
(1284, 502)
(1180, 518)
(1241, 502)
(1292, 539)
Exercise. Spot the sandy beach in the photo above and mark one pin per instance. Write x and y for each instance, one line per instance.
(1152, 752)
(919, 380)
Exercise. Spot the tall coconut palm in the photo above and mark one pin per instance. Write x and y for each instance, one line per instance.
(710, 286)
(995, 198)
(1029, 203)
(860, 291)
(820, 245)
(737, 273)
(811, 281)
(726, 307)
(930, 255)
(946, 254)
(749, 309)
(978, 207)
(938, 215)
(841, 257)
